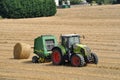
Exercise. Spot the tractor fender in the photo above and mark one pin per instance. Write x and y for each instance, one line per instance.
(61, 48)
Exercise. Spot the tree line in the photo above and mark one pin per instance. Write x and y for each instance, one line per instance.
(27, 8)
(104, 1)
(99, 2)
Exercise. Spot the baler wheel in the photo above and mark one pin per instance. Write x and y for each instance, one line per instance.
(35, 59)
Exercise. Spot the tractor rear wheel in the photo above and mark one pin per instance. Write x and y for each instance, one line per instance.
(94, 58)
(77, 60)
(35, 59)
(57, 57)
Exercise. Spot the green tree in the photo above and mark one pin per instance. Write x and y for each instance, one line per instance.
(118, 1)
(27, 8)
(105, 1)
(75, 1)
(100, 2)
(89, 1)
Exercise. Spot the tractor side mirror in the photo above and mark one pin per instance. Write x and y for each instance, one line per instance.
(82, 36)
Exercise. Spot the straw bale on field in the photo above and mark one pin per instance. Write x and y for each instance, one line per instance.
(21, 51)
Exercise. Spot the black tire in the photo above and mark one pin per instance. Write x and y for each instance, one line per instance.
(56, 57)
(77, 60)
(35, 59)
(94, 58)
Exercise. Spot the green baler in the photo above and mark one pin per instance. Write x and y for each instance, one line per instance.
(42, 48)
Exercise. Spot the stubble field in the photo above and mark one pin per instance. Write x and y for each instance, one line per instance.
(99, 24)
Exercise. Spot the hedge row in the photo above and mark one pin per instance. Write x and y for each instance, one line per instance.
(100, 2)
(75, 1)
(27, 8)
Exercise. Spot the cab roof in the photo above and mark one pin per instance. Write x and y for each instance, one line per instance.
(71, 35)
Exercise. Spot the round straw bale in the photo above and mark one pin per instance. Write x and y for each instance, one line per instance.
(21, 51)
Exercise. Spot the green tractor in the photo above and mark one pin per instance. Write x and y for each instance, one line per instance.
(42, 48)
(71, 50)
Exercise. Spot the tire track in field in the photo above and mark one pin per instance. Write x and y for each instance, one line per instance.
(105, 67)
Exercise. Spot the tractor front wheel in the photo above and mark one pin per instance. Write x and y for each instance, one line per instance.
(94, 58)
(35, 59)
(57, 57)
(77, 60)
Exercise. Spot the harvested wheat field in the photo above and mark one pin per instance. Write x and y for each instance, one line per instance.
(99, 24)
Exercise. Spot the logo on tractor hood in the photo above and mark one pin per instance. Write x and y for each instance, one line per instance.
(78, 47)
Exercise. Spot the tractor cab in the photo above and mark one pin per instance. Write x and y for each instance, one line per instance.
(69, 40)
